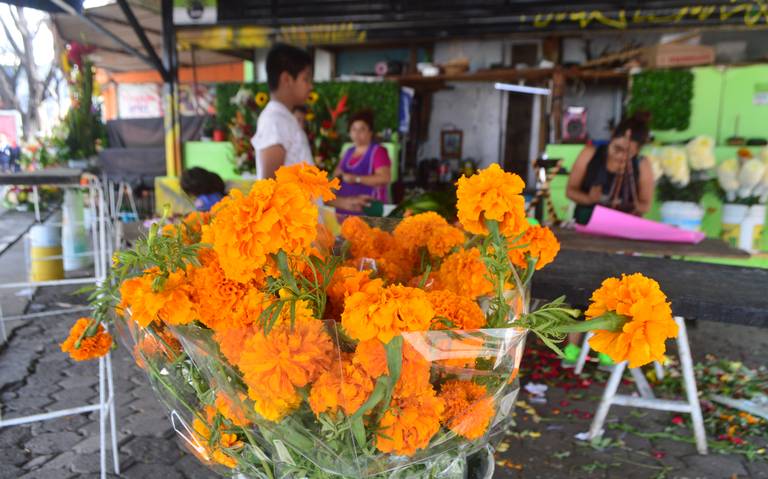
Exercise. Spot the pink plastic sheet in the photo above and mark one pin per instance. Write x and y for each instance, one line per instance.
(608, 222)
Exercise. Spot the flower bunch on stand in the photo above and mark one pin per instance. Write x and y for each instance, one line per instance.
(82, 133)
(744, 180)
(243, 126)
(683, 173)
(390, 351)
(325, 126)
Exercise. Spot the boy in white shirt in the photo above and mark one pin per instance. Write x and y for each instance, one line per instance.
(279, 139)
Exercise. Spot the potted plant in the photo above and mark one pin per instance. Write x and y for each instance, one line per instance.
(683, 176)
(743, 186)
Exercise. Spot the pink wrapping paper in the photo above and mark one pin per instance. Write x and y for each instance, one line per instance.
(608, 222)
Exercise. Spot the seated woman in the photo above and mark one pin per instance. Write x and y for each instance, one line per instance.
(365, 168)
(614, 175)
(207, 188)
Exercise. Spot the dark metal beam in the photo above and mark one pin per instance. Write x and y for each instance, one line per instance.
(137, 29)
(93, 23)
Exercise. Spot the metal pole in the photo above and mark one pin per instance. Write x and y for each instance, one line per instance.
(139, 31)
(170, 93)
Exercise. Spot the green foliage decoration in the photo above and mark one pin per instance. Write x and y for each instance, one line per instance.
(666, 94)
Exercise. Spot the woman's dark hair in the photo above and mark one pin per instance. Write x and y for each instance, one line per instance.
(301, 108)
(366, 116)
(637, 124)
(198, 181)
(285, 58)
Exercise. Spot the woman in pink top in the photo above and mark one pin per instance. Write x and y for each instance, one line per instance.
(365, 168)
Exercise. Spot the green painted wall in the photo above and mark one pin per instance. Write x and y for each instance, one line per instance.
(739, 88)
(215, 156)
(719, 95)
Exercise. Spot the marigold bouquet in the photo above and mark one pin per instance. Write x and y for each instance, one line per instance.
(283, 352)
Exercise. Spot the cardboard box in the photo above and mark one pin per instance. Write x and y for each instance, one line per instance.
(678, 55)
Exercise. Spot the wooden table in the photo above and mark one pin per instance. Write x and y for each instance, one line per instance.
(704, 291)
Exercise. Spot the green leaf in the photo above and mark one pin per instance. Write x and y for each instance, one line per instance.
(358, 429)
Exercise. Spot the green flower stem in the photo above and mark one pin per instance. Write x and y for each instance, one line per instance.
(609, 321)
(267, 468)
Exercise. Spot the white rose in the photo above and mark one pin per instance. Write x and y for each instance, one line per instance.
(701, 152)
(653, 158)
(728, 177)
(674, 163)
(750, 176)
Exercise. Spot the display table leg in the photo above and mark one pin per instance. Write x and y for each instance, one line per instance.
(647, 400)
(583, 353)
(691, 391)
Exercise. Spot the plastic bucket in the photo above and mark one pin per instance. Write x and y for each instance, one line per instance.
(683, 214)
(45, 253)
(74, 234)
(752, 228)
(733, 216)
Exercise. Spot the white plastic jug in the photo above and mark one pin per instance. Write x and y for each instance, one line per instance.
(74, 234)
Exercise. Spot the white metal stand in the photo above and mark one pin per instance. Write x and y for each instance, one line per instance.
(647, 400)
(101, 249)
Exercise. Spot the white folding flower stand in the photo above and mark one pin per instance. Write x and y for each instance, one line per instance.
(647, 399)
(101, 247)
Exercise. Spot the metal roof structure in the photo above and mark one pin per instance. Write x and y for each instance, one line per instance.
(111, 55)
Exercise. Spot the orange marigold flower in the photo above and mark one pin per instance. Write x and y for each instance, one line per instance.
(214, 452)
(462, 312)
(468, 408)
(415, 231)
(643, 337)
(149, 346)
(414, 373)
(346, 281)
(232, 341)
(492, 194)
(372, 357)
(344, 386)
(310, 179)
(172, 305)
(91, 346)
(385, 312)
(537, 242)
(231, 408)
(444, 240)
(191, 227)
(465, 274)
(410, 423)
(271, 407)
(365, 242)
(290, 356)
(247, 229)
(215, 295)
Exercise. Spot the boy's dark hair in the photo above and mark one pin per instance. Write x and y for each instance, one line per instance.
(198, 181)
(285, 58)
(366, 116)
(638, 124)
